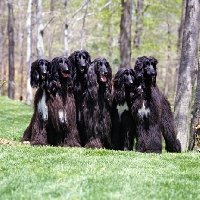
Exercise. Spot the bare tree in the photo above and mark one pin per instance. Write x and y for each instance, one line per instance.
(83, 25)
(67, 35)
(66, 31)
(180, 30)
(3, 53)
(40, 32)
(20, 53)
(125, 33)
(167, 75)
(29, 53)
(187, 72)
(11, 84)
(195, 128)
(138, 23)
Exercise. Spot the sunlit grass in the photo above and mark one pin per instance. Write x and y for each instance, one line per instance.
(30, 172)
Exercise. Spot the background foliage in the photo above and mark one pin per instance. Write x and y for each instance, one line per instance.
(101, 35)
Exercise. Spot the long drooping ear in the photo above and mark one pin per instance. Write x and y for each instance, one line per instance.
(54, 69)
(154, 62)
(92, 84)
(35, 77)
(88, 57)
(119, 86)
(54, 76)
(108, 91)
(109, 75)
(139, 69)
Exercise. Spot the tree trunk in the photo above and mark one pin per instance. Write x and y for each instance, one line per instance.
(167, 72)
(125, 33)
(138, 24)
(52, 5)
(29, 53)
(20, 53)
(187, 73)
(110, 38)
(195, 128)
(66, 31)
(180, 30)
(2, 44)
(40, 32)
(83, 25)
(11, 84)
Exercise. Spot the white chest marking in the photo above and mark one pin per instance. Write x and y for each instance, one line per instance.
(121, 109)
(42, 107)
(143, 111)
(62, 116)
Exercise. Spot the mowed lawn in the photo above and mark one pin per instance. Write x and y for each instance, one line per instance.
(31, 172)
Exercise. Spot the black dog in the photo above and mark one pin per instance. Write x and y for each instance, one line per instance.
(151, 111)
(123, 126)
(97, 105)
(61, 127)
(36, 131)
(80, 61)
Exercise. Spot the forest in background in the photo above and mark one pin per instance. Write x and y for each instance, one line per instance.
(94, 26)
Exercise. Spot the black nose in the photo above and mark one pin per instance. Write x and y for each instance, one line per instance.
(105, 73)
(66, 71)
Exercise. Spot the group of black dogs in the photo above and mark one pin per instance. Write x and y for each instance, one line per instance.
(79, 104)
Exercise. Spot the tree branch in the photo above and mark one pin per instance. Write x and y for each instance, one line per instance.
(48, 22)
(89, 14)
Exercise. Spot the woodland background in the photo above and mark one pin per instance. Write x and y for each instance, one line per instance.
(120, 31)
(156, 33)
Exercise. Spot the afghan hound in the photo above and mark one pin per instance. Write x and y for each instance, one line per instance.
(123, 126)
(97, 105)
(152, 112)
(80, 61)
(61, 126)
(36, 133)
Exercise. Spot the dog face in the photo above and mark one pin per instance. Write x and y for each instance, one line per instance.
(103, 70)
(63, 67)
(39, 72)
(125, 76)
(60, 68)
(145, 68)
(82, 59)
(128, 77)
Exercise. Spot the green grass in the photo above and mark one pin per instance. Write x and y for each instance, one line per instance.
(30, 172)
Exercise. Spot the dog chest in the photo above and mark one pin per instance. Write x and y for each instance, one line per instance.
(144, 111)
(62, 116)
(122, 108)
(42, 107)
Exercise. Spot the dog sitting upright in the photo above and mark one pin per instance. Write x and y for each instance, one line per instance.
(61, 127)
(151, 111)
(123, 126)
(97, 105)
(36, 132)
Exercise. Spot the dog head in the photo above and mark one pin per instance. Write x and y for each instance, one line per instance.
(81, 59)
(60, 67)
(102, 70)
(99, 74)
(124, 85)
(39, 72)
(124, 77)
(145, 69)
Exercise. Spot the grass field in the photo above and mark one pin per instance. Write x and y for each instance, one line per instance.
(28, 172)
